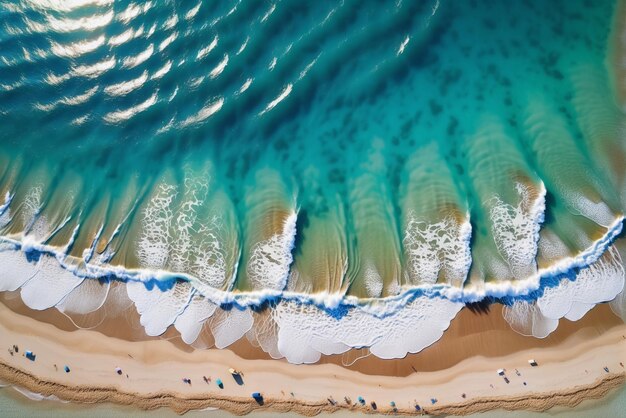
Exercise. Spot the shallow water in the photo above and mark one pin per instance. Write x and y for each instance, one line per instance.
(13, 404)
(365, 167)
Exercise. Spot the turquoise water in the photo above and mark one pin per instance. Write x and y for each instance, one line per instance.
(368, 168)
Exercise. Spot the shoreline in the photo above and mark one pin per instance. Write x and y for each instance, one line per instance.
(537, 402)
(155, 369)
(246, 299)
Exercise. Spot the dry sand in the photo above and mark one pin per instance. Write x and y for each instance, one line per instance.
(571, 369)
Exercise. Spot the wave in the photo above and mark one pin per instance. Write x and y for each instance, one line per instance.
(355, 172)
(302, 327)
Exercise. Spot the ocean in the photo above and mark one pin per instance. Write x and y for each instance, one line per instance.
(313, 176)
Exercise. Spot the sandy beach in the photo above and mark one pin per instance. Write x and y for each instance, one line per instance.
(457, 375)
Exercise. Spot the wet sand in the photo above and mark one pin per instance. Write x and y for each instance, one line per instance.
(464, 362)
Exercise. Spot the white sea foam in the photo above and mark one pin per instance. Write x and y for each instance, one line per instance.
(153, 246)
(578, 310)
(298, 328)
(198, 247)
(618, 305)
(159, 308)
(36, 227)
(185, 221)
(601, 281)
(228, 326)
(190, 322)
(87, 297)
(88, 252)
(516, 229)
(31, 206)
(264, 334)
(433, 247)
(387, 305)
(209, 263)
(526, 318)
(15, 271)
(49, 285)
(373, 281)
(5, 210)
(598, 212)
(551, 247)
(268, 266)
(305, 332)
(34, 396)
